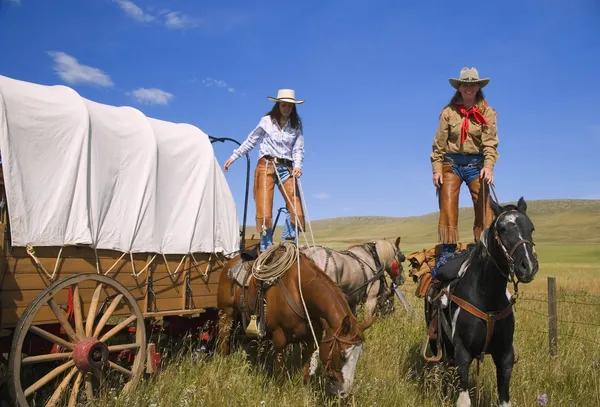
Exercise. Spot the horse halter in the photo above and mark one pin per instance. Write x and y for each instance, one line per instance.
(508, 255)
(336, 340)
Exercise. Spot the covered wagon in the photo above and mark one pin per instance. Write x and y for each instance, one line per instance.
(110, 220)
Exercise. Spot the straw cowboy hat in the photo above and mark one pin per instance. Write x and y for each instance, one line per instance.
(468, 76)
(285, 95)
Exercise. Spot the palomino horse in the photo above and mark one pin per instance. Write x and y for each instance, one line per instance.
(286, 322)
(360, 270)
(479, 318)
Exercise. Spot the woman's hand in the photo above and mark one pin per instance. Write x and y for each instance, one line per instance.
(487, 174)
(438, 179)
(296, 172)
(227, 164)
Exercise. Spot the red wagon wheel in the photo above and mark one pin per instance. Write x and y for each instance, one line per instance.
(84, 359)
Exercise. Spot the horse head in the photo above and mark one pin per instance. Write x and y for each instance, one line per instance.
(340, 350)
(513, 233)
(392, 258)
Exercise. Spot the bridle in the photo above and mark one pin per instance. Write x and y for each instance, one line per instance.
(508, 254)
(336, 341)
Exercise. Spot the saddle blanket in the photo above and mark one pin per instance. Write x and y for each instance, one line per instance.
(239, 273)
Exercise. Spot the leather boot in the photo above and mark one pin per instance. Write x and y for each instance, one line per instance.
(448, 202)
(264, 185)
(480, 194)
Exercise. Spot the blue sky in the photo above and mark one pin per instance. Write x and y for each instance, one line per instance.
(374, 75)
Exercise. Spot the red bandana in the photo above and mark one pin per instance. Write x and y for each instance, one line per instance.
(473, 111)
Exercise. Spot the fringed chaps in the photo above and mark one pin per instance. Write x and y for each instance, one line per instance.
(264, 186)
(448, 203)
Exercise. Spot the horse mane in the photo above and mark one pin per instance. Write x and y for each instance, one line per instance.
(385, 251)
(337, 290)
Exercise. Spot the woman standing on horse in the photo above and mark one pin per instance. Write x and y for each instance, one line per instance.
(464, 149)
(281, 155)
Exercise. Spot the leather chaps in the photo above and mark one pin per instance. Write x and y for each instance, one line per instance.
(448, 203)
(264, 186)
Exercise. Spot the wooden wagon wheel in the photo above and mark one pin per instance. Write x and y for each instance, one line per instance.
(83, 360)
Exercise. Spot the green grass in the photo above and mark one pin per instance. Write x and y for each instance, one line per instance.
(392, 372)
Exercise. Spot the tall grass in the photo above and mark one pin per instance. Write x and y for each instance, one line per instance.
(392, 371)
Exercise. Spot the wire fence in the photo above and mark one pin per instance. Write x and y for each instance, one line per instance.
(576, 307)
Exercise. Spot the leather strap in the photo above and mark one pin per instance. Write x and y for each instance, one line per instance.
(489, 318)
(288, 298)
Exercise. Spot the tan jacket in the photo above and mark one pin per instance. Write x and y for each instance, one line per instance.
(481, 139)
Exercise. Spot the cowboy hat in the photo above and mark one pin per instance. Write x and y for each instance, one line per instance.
(468, 76)
(285, 95)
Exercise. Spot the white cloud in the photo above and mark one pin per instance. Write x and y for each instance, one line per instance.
(175, 19)
(208, 82)
(322, 195)
(134, 11)
(152, 96)
(71, 71)
(170, 19)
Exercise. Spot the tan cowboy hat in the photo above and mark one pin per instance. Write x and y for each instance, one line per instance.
(468, 76)
(285, 95)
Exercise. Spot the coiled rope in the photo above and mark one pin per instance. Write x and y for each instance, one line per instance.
(272, 271)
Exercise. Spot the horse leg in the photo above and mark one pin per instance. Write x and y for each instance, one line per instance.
(306, 357)
(279, 344)
(372, 299)
(504, 363)
(463, 361)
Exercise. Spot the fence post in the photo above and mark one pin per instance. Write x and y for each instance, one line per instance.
(552, 317)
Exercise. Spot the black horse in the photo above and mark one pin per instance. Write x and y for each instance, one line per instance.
(478, 319)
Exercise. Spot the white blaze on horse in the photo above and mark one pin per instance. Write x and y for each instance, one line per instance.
(360, 270)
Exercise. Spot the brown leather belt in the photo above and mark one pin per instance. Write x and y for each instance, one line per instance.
(277, 160)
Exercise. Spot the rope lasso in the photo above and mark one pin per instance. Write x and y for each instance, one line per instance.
(272, 271)
(314, 360)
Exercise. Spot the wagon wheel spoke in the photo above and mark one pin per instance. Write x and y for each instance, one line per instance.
(52, 338)
(75, 390)
(46, 379)
(113, 306)
(62, 318)
(117, 328)
(56, 396)
(46, 358)
(92, 311)
(89, 388)
(128, 346)
(78, 312)
(120, 369)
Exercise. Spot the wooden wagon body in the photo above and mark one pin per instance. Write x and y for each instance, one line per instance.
(76, 317)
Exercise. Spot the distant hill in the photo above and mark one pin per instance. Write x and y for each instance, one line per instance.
(565, 221)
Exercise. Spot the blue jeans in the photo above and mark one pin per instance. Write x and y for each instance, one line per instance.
(467, 167)
(266, 239)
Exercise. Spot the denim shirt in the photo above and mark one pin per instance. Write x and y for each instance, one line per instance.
(287, 143)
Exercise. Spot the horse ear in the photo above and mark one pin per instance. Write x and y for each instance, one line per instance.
(397, 243)
(495, 207)
(522, 205)
(346, 327)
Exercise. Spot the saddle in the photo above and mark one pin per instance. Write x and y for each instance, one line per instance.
(423, 263)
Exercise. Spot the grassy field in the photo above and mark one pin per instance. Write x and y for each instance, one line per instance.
(392, 372)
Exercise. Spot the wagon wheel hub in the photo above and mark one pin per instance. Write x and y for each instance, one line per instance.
(90, 353)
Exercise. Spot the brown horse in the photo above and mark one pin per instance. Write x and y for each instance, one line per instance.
(286, 323)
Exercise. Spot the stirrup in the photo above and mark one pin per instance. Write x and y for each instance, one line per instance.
(252, 329)
(427, 346)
